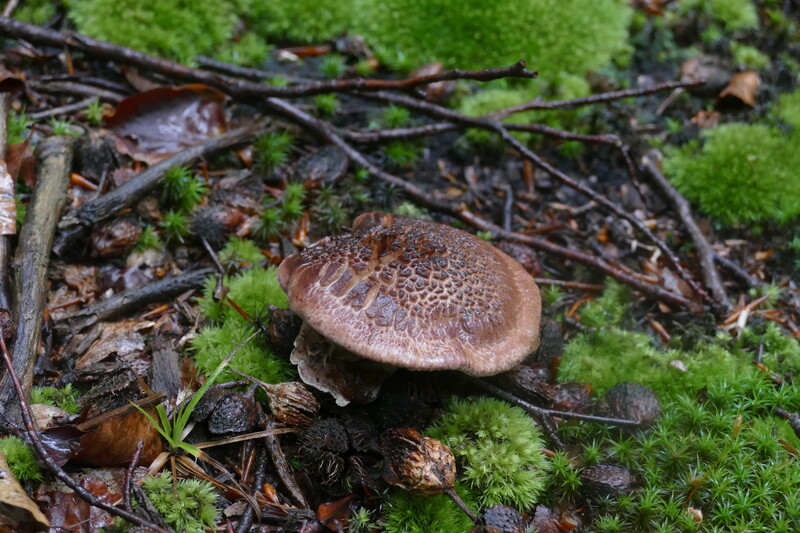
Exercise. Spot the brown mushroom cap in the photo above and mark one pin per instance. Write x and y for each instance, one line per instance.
(417, 295)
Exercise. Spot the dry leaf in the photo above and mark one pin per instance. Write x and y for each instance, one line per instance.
(743, 87)
(119, 338)
(706, 119)
(17, 511)
(115, 440)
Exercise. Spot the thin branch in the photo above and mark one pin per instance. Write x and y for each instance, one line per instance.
(704, 251)
(593, 99)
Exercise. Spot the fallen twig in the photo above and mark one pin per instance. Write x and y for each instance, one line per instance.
(158, 291)
(33, 256)
(704, 251)
(5, 245)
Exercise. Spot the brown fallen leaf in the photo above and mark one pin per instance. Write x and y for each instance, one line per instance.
(68, 512)
(17, 511)
(120, 338)
(115, 440)
(153, 125)
(742, 87)
(706, 119)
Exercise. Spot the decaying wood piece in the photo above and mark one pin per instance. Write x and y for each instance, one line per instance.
(129, 301)
(78, 221)
(33, 256)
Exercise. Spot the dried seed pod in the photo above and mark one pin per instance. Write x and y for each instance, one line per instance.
(572, 396)
(504, 519)
(292, 404)
(321, 448)
(115, 237)
(235, 412)
(417, 464)
(632, 401)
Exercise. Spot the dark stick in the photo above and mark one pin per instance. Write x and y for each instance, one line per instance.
(43, 455)
(283, 468)
(544, 412)
(78, 221)
(737, 270)
(241, 88)
(704, 251)
(158, 291)
(594, 99)
(33, 256)
(77, 89)
(246, 520)
(325, 132)
(126, 485)
(63, 110)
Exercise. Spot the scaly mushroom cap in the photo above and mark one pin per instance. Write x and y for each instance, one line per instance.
(417, 295)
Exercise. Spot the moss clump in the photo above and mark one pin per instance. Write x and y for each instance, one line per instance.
(65, 398)
(608, 310)
(302, 21)
(243, 252)
(256, 359)
(252, 290)
(787, 109)
(36, 12)
(407, 513)
(606, 357)
(20, 459)
(749, 57)
(733, 14)
(176, 29)
(743, 173)
(551, 35)
(499, 450)
(188, 505)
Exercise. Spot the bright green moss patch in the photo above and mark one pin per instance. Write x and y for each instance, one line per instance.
(301, 21)
(788, 109)
(407, 513)
(553, 36)
(214, 343)
(20, 459)
(608, 356)
(241, 251)
(65, 398)
(176, 29)
(498, 448)
(252, 290)
(743, 173)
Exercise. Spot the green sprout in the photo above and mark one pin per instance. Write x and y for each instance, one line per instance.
(19, 127)
(182, 189)
(269, 224)
(148, 240)
(64, 128)
(175, 226)
(272, 150)
(333, 66)
(94, 112)
(327, 104)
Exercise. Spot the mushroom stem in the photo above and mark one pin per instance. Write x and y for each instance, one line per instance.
(451, 492)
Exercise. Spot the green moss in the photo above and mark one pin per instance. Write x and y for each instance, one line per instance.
(214, 343)
(273, 149)
(249, 50)
(36, 12)
(734, 14)
(749, 57)
(788, 109)
(182, 189)
(609, 309)
(553, 36)
(20, 459)
(65, 398)
(252, 290)
(241, 251)
(407, 513)
(176, 29)
(302, 21)
(499, 450)
(148, 240)
(189, 505)
(743, 173)
(608, 356)
(175, 226)
(724, 454)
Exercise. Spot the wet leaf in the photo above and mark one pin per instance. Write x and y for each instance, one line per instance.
(155, 124)
(21, 161)
(17, 511)
(115, 440)
(67, 511)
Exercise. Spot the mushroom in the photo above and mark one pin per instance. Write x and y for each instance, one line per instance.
(402, 292)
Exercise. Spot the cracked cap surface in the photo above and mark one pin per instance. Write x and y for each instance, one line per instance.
(417, 295)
